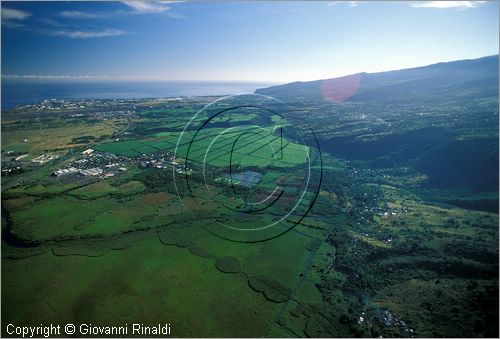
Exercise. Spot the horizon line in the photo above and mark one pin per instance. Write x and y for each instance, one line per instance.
(104, 78)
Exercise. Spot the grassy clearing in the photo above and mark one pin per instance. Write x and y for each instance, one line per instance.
(42, 189)
(69, 217)
(284, 256)
(103, 188)
(135, 148)
(249, 147)
(53, 136)
(110, 289)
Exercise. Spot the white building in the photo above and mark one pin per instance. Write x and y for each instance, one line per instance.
(88, 151)
(91, 171)
(65, 171)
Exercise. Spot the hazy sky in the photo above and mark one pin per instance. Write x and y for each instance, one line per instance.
(261, 41)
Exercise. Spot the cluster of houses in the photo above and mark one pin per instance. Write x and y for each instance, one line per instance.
(89, 166)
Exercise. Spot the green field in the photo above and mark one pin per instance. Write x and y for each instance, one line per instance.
(376, 255)
(214, 146)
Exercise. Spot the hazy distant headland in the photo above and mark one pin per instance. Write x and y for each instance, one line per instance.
(17, 92)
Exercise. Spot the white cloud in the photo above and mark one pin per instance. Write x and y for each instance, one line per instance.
(12, 18)
(349, 3)
(12, 24)
(176, 15)
(14, 14)
(88, 34)
(52, 23)
(147, 6)
(79, 15)
(447, 4)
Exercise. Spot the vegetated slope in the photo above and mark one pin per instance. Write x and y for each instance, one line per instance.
(439, 120)
(393, 85)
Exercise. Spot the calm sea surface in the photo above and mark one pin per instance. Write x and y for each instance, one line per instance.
(16, 93)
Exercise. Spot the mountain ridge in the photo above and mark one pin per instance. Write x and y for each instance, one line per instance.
(384, 85)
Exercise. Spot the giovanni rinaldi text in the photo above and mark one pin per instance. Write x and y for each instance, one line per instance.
(47, 331)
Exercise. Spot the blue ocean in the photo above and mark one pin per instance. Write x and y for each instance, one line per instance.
(15, 93)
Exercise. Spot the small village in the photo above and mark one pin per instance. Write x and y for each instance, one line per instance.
(102, 165)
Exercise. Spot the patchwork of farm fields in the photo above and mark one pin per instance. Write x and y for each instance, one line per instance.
(244, 146)
(287, 243)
